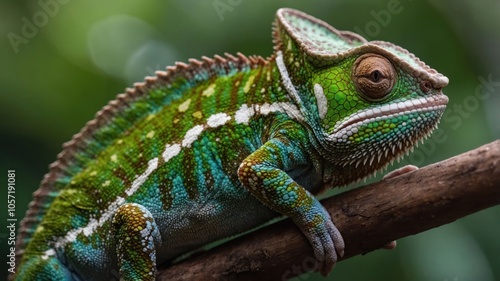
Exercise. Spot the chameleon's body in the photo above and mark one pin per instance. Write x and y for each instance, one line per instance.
(190, 156)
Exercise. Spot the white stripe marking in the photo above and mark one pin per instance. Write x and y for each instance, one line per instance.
(291, 110)
(412, 104)
(171, 150)
(243, 114)
(152, 165)
(48, 253)
(192, 135)
(285, 78)
(218, 119)
(320, 100)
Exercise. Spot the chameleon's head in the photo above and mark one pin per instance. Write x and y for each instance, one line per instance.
(367, 103)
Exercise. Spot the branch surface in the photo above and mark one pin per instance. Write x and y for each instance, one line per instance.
(368, 218)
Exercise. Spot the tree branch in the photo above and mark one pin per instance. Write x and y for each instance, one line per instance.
(368, 218)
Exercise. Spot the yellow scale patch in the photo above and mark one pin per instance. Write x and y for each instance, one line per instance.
(39, 228)
(198, 114)
(248, 84)
(183, 107)
(150, 135)
(210, 90)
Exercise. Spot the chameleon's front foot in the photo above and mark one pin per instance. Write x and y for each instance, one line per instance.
(263, 174)
(325, 238)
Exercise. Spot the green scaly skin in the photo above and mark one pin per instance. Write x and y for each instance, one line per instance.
(217, 147)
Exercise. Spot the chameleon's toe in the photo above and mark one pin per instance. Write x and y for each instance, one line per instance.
(400, 171)
(332, 253)
(390, 246)
(338, 241)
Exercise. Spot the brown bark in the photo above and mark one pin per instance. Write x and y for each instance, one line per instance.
(368, 217)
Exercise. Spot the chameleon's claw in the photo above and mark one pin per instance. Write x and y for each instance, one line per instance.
(400, 171)
(390, 246)
(338, 241)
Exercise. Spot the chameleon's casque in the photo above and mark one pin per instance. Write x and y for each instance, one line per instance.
(216, 147)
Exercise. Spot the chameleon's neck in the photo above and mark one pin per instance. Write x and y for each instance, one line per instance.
(335, 173)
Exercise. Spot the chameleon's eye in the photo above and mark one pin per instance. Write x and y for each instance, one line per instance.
(374, 76)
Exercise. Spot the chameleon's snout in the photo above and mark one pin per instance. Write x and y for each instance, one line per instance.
(435, 81)
(441, 81)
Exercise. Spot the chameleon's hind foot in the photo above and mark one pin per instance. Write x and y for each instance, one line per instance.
(401, 171)
(137, 236)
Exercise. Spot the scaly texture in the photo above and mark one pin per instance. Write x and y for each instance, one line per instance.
(216, 147)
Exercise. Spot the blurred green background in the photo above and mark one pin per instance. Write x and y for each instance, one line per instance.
(61, 61)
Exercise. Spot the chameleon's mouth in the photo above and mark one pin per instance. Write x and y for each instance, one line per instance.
(349, 126)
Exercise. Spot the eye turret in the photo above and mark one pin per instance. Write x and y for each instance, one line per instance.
(374, 76)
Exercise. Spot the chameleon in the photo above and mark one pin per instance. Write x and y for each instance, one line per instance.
(218, 146)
